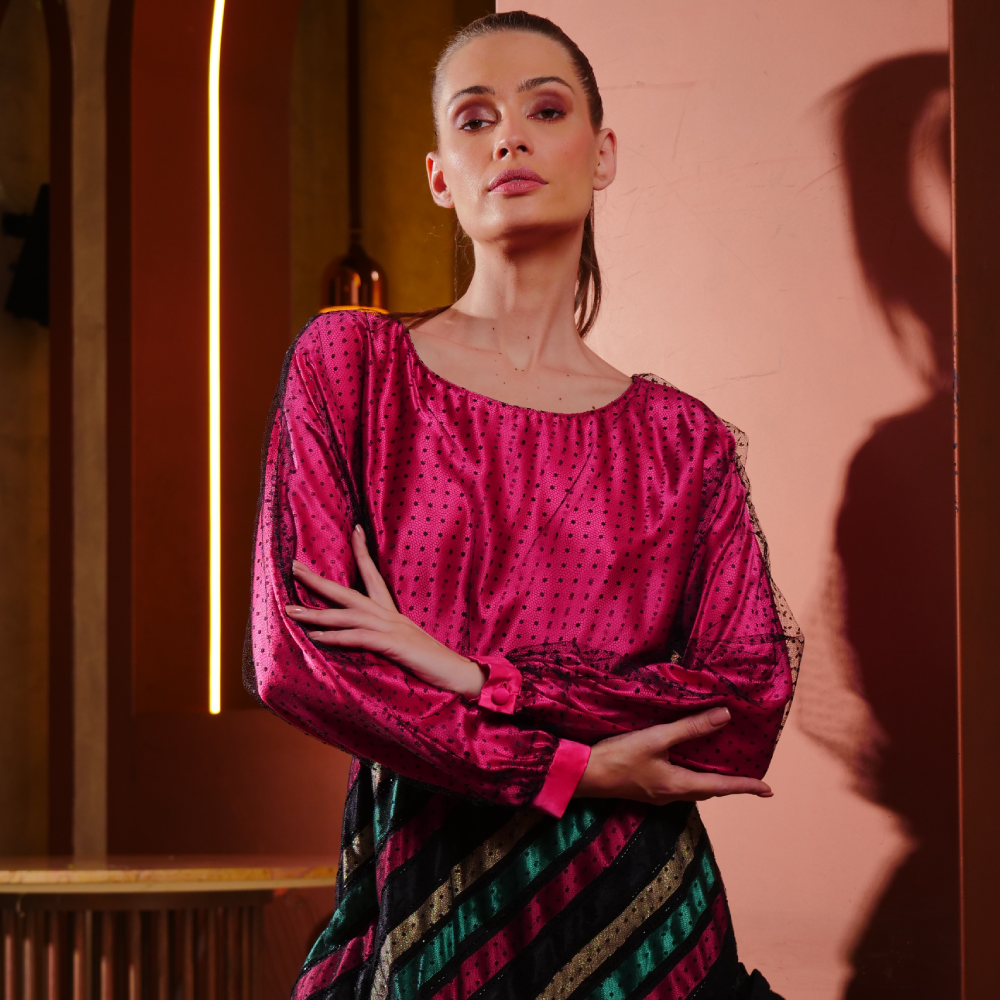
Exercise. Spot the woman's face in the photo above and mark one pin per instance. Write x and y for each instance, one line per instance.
(517, 156)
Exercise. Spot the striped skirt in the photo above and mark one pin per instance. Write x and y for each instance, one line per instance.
(440, 897)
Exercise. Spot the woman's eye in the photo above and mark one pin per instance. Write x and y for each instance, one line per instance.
(473, 124)
(549, 114)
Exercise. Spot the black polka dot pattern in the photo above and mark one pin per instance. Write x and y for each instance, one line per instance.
(612, 556)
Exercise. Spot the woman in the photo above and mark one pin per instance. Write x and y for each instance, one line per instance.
(568, 631)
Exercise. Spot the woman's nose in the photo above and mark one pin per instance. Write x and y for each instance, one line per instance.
(505, 147)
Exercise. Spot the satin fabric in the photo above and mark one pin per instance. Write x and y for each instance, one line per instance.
(611, 556)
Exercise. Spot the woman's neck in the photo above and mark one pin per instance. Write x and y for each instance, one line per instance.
(521, 299)
(513, 335)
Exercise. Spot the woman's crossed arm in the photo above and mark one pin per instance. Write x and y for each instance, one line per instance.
(632, 765)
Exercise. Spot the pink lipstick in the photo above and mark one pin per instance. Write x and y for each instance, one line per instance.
(517, 180)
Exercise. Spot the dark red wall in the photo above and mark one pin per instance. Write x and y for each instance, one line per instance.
(182, 780)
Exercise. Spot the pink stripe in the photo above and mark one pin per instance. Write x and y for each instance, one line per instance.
(342, 960)
(550, 900)
(695, 965)
(353, 772)
(565, 772)
(404, 843)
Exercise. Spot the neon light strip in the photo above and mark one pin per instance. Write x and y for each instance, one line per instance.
(214, 387)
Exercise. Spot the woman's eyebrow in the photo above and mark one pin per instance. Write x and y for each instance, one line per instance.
(476, 89)
(538, 81)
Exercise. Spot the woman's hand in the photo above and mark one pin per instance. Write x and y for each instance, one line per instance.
(373, 623)
(637, 766)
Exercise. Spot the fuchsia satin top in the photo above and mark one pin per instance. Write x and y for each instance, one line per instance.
(605, 567)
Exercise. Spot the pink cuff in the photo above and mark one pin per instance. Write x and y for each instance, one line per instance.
(564, 775)
(502, 685)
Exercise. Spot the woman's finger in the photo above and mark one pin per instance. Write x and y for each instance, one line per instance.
(374, 584)
(337, 617)
(660, 738)
(693, 726)
(698, 785)
(354, 638)
(331, 591)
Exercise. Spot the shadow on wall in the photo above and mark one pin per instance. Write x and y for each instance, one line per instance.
(892, 591)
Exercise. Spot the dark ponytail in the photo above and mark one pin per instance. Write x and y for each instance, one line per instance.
(587, 300)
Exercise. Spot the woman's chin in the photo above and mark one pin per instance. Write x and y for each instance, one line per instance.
(520, 227)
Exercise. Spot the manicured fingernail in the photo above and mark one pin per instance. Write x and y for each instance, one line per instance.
(315, 635)
(719, 716)
(359, 530)
(293, 609)
(297, 565)
(766, 795)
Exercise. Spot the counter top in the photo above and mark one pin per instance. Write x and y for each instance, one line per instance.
(164, 873)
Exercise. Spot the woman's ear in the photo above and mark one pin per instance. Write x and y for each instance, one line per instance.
(607, 159)
(438, 185)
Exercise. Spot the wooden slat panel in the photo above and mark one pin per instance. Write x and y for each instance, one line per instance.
(83, 958)
(232, 952)
(29, 950)
(9, 950)
(107, 957)
(188, 954)
(53, 954)
(186, 946)
(162, 930)
(135, 955)
(212, 943)
(245, 945)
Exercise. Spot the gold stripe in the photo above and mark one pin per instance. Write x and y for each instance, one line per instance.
(439, 903)
(360, 309)
(358, 851)
(652, 897)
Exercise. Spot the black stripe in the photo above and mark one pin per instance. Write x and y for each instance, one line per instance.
(392, 815)
(362, 803)
(652, 924)
(344, 987)
(355, 913)
(357, 815)
(358, 806)
(408, 885)
(649, 848)
(722, 973)
(723, 977)
(475, 940)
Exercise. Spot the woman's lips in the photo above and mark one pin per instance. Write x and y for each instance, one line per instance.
(516, 181)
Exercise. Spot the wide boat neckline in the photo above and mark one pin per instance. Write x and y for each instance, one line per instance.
(622, 397)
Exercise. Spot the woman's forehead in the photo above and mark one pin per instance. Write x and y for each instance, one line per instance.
(503, 61)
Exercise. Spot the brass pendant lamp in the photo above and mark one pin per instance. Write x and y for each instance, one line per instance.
(355, 279)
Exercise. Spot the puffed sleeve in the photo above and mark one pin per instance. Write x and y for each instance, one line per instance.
(311, 497)
(734, 644)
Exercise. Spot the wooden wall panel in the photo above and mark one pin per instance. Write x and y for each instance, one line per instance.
(170, 345)
(119, 410)
(183, 780)
(60, 431)
(255, 100)
(976, 102)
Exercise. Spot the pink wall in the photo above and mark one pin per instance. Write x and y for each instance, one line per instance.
(735, 260)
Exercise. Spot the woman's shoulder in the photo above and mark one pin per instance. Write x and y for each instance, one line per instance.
(345, 331)
(689, 435)
(678, 415)
(335, 354)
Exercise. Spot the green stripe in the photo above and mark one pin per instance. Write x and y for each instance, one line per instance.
(658, 947)
(386, 803)
(486, 903)
(357, 909)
